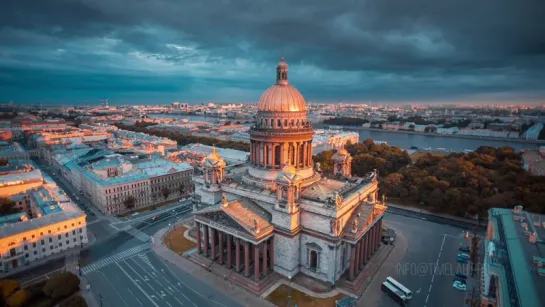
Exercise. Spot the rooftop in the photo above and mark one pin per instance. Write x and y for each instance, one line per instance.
(515, 240)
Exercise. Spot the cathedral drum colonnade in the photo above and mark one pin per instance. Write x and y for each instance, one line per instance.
(281, 215)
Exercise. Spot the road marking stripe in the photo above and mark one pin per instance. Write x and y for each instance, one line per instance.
(125, 272)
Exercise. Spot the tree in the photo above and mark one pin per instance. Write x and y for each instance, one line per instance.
(182, 189)
(166, 192)
(8, 287)
(61, 285)
(74, 301)
(3, 162)
(129, 202)
(19, 298)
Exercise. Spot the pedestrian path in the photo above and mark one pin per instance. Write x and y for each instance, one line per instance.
(115, 258)
(136, 233)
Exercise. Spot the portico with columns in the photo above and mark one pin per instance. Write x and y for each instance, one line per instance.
(232, 235)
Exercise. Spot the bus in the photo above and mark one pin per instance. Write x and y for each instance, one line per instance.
(401, 288)
(394, 293)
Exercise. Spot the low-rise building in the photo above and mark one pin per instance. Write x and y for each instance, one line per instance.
(533, 132)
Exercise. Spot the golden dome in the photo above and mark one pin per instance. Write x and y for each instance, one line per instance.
(213, 159)
(282, 98)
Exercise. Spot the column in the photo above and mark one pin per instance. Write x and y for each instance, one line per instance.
(229, 251)
(271, 248)
(270, 150)
(237, 255)
(296, 154)
(366, 249)
(256, 262)
(310, 153)
(199, 239)
(220, 246)
(375, 228)
(352, 261)
(261, 154)
(362, 252)
(213, 248)
(246, 259)
(358, 256)
(206, 238)
(265, 270)
(369, 246)
(304, 154)
(379, 235)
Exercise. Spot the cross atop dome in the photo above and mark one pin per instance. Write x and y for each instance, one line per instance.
(282, 72)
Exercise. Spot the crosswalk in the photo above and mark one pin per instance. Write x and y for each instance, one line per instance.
(136, 233)
(139, 249)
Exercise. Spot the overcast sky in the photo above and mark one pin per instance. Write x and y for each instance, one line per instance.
(158, 51)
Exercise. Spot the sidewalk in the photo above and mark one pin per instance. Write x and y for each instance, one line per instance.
(228, 289)
(72, 266)
(373, 294)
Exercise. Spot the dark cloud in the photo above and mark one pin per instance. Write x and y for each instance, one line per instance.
(381, 49)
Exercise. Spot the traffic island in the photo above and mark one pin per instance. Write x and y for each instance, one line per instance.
(176, 241)
(286, 295)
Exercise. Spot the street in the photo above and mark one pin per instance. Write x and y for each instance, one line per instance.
(429, 266)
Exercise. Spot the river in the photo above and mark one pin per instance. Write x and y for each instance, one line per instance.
(402, 140)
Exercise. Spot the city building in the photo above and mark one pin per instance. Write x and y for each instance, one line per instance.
(13, 151)
(281, 215)
(114, 183)
(196, 152)
(533, 132)
(513, 272)
(48, 222)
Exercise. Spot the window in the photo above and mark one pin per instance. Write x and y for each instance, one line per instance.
(59, 236)
(34, 245)
(67, 242)
(50, 240)
(65, 226)
(49, 231)
(51, 247)
(60, 244)
(43, 250)
(26, 255)
(73, 232)
(43, 242)
(26, 247)
(32, 236)
(35, 252)
(75, 240)
(24, 238)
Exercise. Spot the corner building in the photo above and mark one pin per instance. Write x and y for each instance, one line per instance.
(282, 215)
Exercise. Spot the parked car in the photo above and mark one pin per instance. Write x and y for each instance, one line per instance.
(155, 218)
(461, 275)
(463, 255)
(459, 286)
(464, 249)
(462, 281)
(461, 260)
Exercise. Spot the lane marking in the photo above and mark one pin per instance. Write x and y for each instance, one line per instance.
(135, 296)
(117, 292)
(139, 288)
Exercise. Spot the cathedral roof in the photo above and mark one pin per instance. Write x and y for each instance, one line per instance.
(282, 96)
(361, 219)
(241, 215)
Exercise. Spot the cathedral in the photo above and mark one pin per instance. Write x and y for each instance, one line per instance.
(281, 214)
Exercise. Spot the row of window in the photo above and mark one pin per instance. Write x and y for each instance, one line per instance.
(270, 123)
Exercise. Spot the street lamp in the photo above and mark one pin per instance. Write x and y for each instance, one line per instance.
(289, 293)
(100, 297)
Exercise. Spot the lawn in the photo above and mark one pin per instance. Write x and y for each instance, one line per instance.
(279, 297)
(419, 154)
(179, 243)
(147, 208)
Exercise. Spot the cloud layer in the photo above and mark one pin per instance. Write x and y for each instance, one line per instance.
(155, 51)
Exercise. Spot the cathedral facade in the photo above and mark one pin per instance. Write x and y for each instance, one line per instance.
(282, 215)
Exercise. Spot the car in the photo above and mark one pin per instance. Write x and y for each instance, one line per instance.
(461, 275)
(459, 286)
(461, 260)
(464, 249)
(155, 218)
(135, 214)
(462, 281)
(463, 255)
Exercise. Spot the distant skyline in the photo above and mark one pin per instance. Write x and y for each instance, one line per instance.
(154, 52)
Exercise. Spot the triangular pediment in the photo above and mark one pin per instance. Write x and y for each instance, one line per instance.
(222, 218)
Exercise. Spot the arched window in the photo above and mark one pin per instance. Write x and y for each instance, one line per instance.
(272, 122)
(297, 123)
(292, 123)
(279, 123)
(291, 154)
(302, 154)
(313, 262)
(285, 122)
(277, 161)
